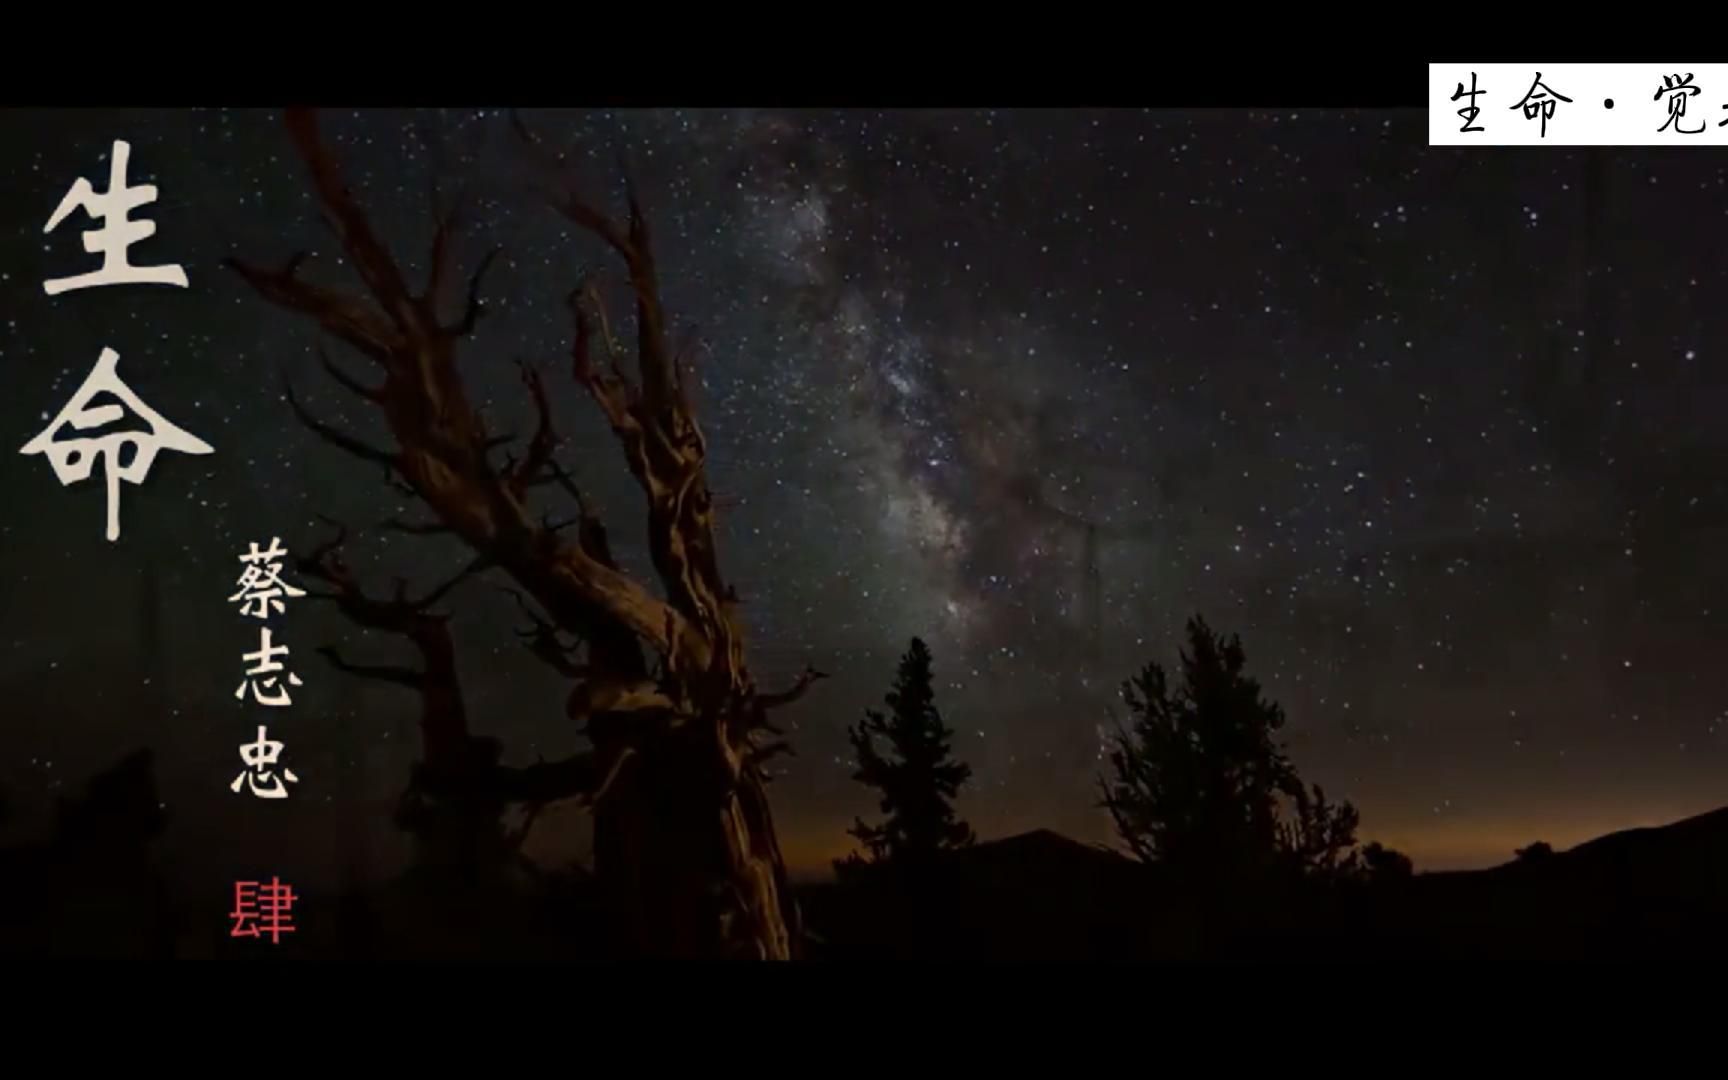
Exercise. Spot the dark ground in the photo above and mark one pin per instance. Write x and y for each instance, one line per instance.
(1645, 894)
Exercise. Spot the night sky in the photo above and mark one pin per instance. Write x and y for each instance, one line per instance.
(1438, 432)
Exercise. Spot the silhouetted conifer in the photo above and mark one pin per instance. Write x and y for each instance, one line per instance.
(1383, 864)
(917, 777)
(1201, 785)
(1319, 836)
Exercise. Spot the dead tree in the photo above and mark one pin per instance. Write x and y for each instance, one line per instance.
(684, 840)
(459, 790)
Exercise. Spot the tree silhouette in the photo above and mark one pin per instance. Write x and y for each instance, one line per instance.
(1201, 785)
(918, 779)
(1540, 851)
(458, 790)
(1382, 864)
(1319, 836)
(120, 810)
(684, 838)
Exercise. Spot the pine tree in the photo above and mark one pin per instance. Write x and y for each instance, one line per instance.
(1201, 784)
(918, 779)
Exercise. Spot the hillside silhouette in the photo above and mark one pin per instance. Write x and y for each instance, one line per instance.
(91, 889)
(1633, 894)
(1636, 895)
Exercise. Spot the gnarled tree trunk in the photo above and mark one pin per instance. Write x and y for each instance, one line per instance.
(691, 861)
(685, 842)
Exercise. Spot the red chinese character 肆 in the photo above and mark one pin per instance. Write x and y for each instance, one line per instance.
(262, 908)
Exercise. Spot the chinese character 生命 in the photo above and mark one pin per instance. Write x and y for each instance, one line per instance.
(1678, 89)
(117, 233)
(261, 582)
(1469, 112)
(1540, 99)
(263, 908)
(265, 664)
(256, 755)
(74, 458)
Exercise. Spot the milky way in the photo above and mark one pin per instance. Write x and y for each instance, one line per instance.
(1436, 432)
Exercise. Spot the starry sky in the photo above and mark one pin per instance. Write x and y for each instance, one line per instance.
(1436, 431)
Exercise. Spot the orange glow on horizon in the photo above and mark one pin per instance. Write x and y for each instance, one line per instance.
(1433, 846)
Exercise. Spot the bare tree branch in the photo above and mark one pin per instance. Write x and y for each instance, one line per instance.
(544, 641)
(374, 394)
(761, 755)
(585, 777)
(397, 483)
(567, 203)
(594, 696)
(401, 676)
(438, 435)
(348, 317)
(476, 307)
(331, 435)
(413, 528)
(443, 717)
(366, 252)
(604, 787)
(559, 475)
(798, 689)
(478, 565)
(439, 259)
(315, 558)
(540, 447)
(400, 614)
